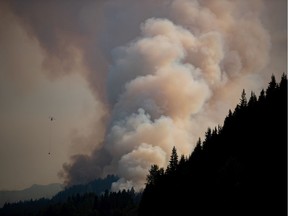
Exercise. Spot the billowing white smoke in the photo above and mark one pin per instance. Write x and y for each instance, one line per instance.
(154, 91)
(161, 84)
(166, 69)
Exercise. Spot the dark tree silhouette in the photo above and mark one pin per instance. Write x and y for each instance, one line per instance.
(272, 86)
(239, 169)
(154, 174)
(252, 100)
(243, 100)
(173, 163)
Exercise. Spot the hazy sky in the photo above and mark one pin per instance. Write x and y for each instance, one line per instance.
(125, 80)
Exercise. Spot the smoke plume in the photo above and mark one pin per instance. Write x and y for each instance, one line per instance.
(163, 70)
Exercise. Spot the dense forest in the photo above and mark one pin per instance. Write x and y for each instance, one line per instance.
(109, 203)
(240, 168)
(88, 199)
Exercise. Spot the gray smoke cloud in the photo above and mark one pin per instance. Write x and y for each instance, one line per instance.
(163, 71)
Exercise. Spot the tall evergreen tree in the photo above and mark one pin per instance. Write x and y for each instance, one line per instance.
(182, 160)
(272, 86)
(173, 163)
(262, 96)
(243, 100)
(283, 82)
(253, 99)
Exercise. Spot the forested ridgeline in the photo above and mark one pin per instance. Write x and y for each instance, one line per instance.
(119, 203)
(89, 199)
(239, 169)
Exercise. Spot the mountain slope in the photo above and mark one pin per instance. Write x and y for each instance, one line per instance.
(239, 169)
(96, 186)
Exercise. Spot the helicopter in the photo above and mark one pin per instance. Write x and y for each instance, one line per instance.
(51, 118)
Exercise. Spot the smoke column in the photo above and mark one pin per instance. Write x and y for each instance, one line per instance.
(161, 83)
(163, 71)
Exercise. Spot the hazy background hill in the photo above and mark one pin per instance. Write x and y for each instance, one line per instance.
(33, 192)
(57, 192)
(96, 186)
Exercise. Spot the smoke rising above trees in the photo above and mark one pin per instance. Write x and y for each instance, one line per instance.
(162, 72)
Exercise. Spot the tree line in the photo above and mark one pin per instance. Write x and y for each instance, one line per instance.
(238, 169)
(121, 203)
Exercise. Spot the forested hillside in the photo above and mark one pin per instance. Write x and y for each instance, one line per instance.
(89, 199)
(239, 169)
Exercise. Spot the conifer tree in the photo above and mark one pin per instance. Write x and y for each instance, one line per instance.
(173, 163)
(283, 82)
(182, 160)
(253, 99)
(262, 95)
(154, 174)
(196, 154)
(243, 100)
(208, 134)
(272, 86)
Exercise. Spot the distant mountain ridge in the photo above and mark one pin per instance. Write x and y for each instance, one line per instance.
(90, 192)
(34, 192)
(57, 192)
(96, 186)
